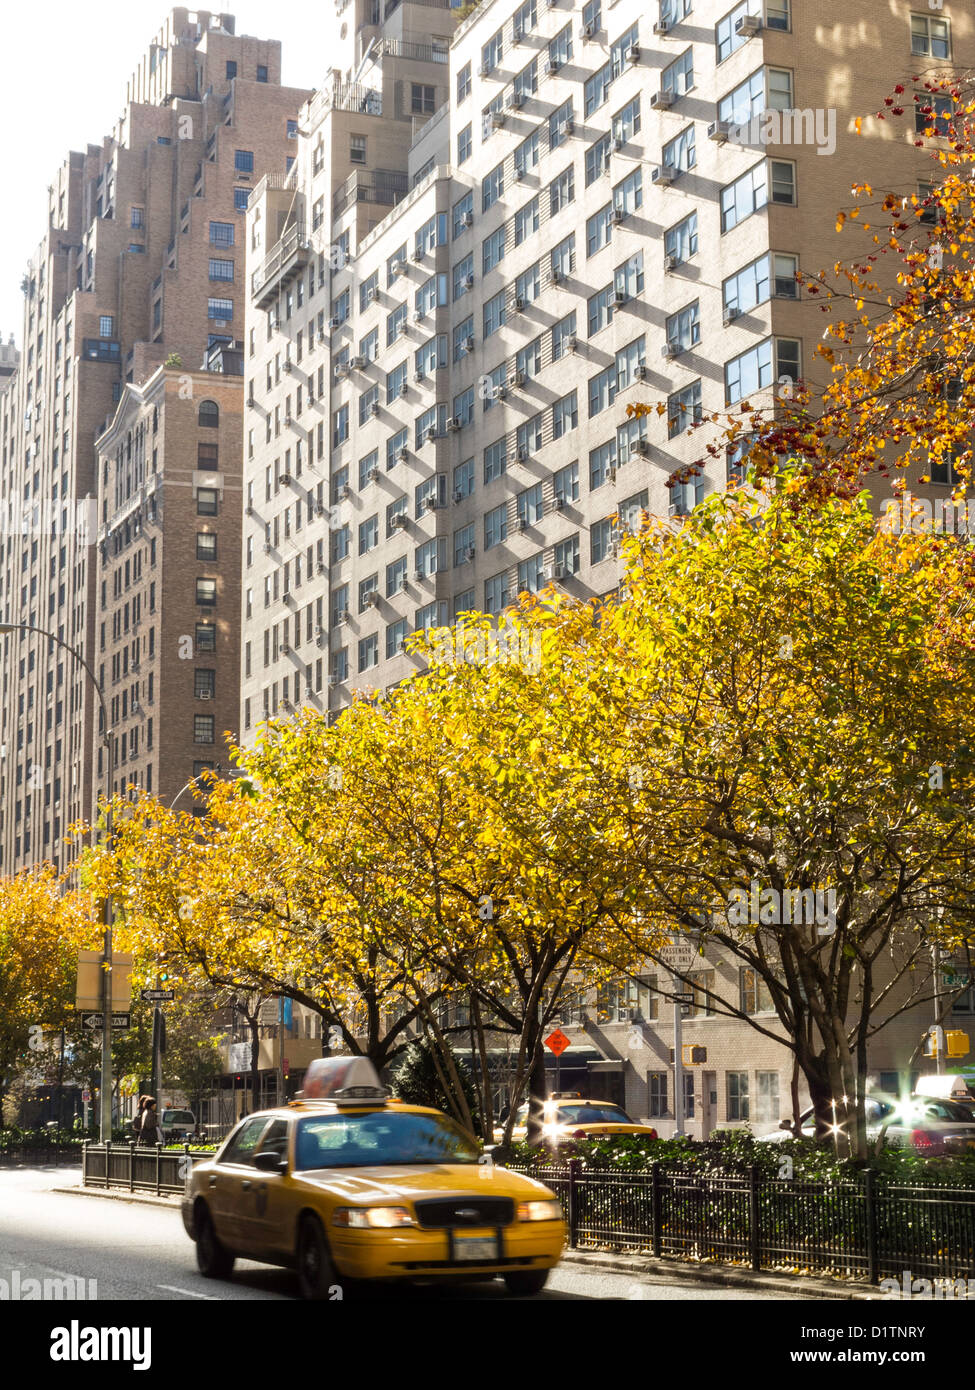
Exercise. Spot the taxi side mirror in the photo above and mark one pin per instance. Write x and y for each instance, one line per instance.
(271, 1162)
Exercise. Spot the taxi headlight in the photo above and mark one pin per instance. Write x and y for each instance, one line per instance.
(540, 1211)
(362, 1218)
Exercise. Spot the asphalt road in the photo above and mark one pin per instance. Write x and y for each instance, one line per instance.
(136, 1251)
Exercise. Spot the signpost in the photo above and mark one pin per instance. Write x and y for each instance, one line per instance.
(679, 957)
(557, 1042)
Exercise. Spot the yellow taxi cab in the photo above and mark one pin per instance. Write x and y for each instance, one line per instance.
(347, 1184)
(567, 1116)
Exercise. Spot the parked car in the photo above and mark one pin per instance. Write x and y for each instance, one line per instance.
(347, 1184)
(177, 1126)
(567, 1117)
(877, 1110)
(932, 1126)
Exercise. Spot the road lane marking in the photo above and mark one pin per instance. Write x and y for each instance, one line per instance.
(188, 1293)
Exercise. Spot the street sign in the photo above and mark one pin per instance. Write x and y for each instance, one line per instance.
(154, 996)
(85, 1096)
(96, 1021)
(88, 994)
(678, 955)
(557, 1042)
(684, 998)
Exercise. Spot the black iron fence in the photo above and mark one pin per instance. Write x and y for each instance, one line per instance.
(137, 1167)
(859, 1229)
(39, 1155)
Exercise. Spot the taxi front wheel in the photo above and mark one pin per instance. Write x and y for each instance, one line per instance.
(213, 1261)
(526, 1281)
(316, 1273)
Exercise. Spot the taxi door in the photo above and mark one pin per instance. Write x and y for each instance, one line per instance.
(230, 1183)
(261, 1207)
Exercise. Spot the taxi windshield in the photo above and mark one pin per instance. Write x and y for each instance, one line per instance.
(379, 1138)
(593, 1113)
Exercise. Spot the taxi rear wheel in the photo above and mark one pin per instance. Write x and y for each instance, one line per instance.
(526, 1281)
(212, 1259)
(316, 1272)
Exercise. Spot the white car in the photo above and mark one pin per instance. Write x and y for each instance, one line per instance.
(934, 1127)
(876, 1110)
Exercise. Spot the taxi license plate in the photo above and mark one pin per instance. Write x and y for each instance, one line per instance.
(475, 1248)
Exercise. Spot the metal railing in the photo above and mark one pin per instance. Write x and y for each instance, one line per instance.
(137, 1167)
(860, 1229)
(384, 186)
(291, 244)
(40, 1155)
(419, 52)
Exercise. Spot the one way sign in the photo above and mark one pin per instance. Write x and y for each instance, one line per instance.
(96, 1021)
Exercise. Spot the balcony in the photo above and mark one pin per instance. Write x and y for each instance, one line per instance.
(418, 52)
(384, 186)
(287, 259)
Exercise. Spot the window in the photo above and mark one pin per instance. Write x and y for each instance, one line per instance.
(395, 381)
(241, 199)
(678, 77)
(464, 83)
(261, 72)
(565, 415)
(777, 14)
(767, 1097)
(783, 181)
(530, 505)
(600, 310)
(597, 159)
(206, 501)
(565, 483)
(683, 409)
(494, 313)
(106, 326)
(561, 333)
(564, 256)
(207, 455)
(463, 276)
(599, 229)
(526, 155)
(528, 436)
(340, 426)
(680, 153)
(753, 992)
(208, 416)
(206, 637)
(464, 406)
(462, 210)
(357, 149)
(737, 1089)
(465, 144)
(743, 197)
(203, 728)
(930, 37)
(528, 284)
(206, 593)
(596, 89)
(368, 652)
(495, 460)
(368, 289)
(601, 541)
(491, 53)
(432, 234)
(779, 89)
(492, 187)
(464, 479)
(463, 543)
(422, 99)
(628, 360)
(396, 637)
(231, 69)
(531, 574)
(526, 81)
(204, 684)
(492, 250)
(137, 217)
(561, 191)
(626, 123)
(221, 310)
(368, 534)
(657, 1094)
(601, 461)
(525, 19)
(244, 161)
(684, 328)
(495, 526)
(557, 125)
(935, 113)
(750, 371)
(560, 48)
(395, 576)
(496, 594)
(628, 277)
(527, 221)
(206, 546)
(726, 39)
(602, 390)
(221, 270)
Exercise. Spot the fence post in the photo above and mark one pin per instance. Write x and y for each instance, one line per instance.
(754, 1233)
(131, 1165)
(84, 1163)
(870, 1198)
(108, 1159)
(656, 1208)
(158, 1166)
(573, 1203)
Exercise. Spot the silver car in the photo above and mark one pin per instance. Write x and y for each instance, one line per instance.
(876, 1110)
(933, 1127)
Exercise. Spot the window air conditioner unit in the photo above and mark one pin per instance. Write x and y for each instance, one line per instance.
(468, 219)
(516, 101)
(557, 277)
(250, 511)
(568, 127)
(345, 490)
(611, 475)
(458, 495)
(287, 365)
(619, 216)
(431, 435)
(348, 258)
(671, 262)
(669, 350)
(357, 363)
(662, 100)
(454, 423)
(748, 26)
(558, 502)
(497, 120)
(205, 694)
(322, 336)
(719, 131)
(419, 576)
(322, 568)
(552, 66)
(402, 455)
(285, 479)
(619, 298)
(343, 616)
(615, 145)
(373, 475)
(401, 644)
(470, 552)
(419, 376)
(468, 344)
(499, 393)
(521, 524)
(519, 175)
(516, 379)
(661, 28)
(587, 31)
(267, 547)
(372, 598)
(483, 70)
(332, 682)
(633, 53)
(431, 503)
(285, 649)
(641, 447)
(662, 174)
(640, 372)
(418, 254)
(341, 370)
(676, 509)
(287, 420)
(730, 314)
(251, 401)
(333, 322)
(518, 304)
(398, 522)
(418, 316)
(374, 408)
(399, 267)
(372, 296)
(572, 342)
(319, 510)
(468, 282)
(521, 454)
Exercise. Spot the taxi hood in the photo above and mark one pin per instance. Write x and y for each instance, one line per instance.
(404, 1181)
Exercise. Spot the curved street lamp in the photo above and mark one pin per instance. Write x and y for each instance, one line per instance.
(105, 1107)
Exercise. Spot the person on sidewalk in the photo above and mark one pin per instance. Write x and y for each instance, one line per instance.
(149, 1131)
(137, 1118)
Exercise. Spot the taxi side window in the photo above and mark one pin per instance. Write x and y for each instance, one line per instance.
(276, 1138)
(244, 1143)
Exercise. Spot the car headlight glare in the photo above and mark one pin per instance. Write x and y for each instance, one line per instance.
(365, 1218)
(550, 1210)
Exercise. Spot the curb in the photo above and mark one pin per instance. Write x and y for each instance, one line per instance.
(146, 1199)
(725, 1276)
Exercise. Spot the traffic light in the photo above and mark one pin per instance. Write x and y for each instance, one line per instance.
(163, 968)
(956, 1044)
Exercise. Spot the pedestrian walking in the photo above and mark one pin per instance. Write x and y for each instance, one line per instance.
(149, 1131)
(137, 1118)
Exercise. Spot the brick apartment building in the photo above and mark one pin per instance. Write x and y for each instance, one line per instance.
(142, 257)
(496, 235)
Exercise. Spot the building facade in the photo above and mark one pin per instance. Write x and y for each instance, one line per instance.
(142, 258)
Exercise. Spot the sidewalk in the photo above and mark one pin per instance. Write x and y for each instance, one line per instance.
(660, 1270)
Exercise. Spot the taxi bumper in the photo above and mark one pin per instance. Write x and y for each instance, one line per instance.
(411, 1253)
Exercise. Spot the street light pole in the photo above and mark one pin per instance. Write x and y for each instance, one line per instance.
(105, 1107)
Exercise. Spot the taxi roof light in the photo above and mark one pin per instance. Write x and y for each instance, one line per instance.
(343, 1080)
